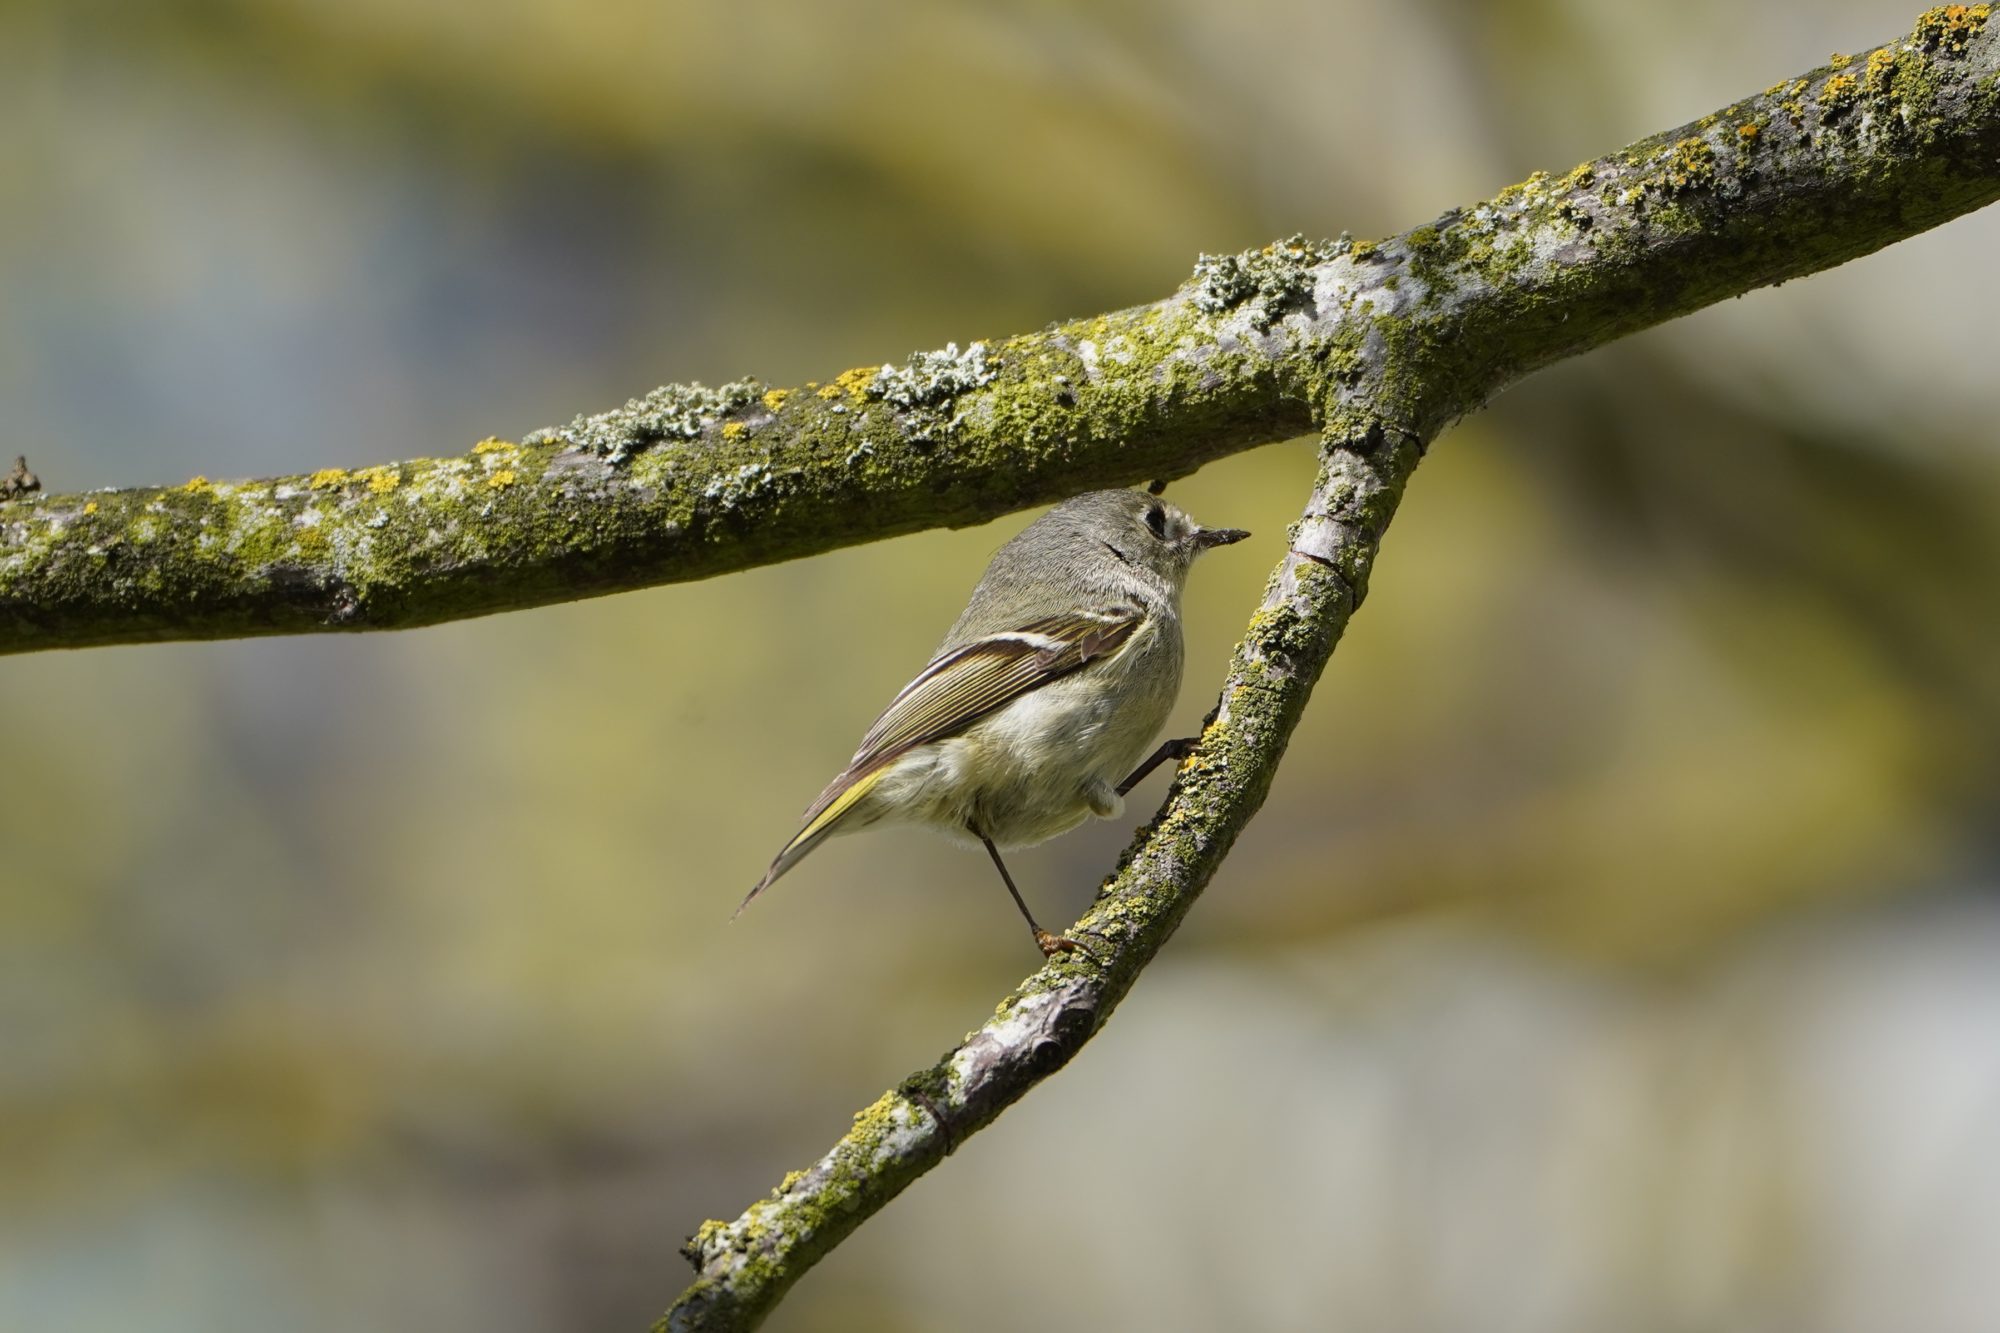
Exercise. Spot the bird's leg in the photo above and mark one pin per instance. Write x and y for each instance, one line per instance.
(1175, 750)
(1050, 945)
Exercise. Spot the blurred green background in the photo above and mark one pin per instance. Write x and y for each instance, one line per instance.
(1619, 948)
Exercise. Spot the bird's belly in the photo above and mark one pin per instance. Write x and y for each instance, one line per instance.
(1038, 767)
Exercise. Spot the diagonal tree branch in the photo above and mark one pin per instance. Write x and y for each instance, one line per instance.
(689, 482)
(1405, 337)
(747, 1265)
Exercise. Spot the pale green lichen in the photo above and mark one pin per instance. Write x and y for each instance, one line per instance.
(925, 389)
(734, 486)
(1270, 281)
(670, 412)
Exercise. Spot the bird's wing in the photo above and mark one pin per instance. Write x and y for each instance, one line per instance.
(960, 686)
(966, 683)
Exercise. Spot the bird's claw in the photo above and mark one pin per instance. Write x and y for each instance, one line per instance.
(1051, 945)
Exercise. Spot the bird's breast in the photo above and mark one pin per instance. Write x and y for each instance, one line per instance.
(1026, 771)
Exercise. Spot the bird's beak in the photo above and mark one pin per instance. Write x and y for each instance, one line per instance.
(1207, 537)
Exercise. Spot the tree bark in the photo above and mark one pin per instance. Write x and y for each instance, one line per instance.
(688, 482)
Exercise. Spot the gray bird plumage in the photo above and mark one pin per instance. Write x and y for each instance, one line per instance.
(1047, 690)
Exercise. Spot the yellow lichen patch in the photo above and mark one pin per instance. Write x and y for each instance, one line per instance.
(1951, 28)
(504, 477)
(327, 478)
(1690, 165)
(1881, 71)
(1839, 61)
(734, 430)
(1839, 93)
(880, 1115)
(493, 445)
(381, 480)
(1578, 177)
(1748, 133)
(775, 398)
(90, 507)
(1536, 183)
(854, 383)
(199, 486)
(1200, 762)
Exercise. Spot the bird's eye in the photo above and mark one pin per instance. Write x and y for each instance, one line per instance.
(1156, 519)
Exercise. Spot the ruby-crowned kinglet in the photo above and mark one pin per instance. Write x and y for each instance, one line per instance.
(1044, 695)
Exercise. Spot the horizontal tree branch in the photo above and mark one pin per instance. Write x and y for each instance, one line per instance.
(1397, 340)
(689, 482)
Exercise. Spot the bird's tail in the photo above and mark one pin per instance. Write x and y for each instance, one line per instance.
(823, 820)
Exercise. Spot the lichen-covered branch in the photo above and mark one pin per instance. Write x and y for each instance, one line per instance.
(745, 1266)
(1386, 344)
(688, 482)
(1378, 344)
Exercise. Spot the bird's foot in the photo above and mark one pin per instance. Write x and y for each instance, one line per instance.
(1051, 945)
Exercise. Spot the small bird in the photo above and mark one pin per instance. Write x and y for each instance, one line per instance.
(1035, 710)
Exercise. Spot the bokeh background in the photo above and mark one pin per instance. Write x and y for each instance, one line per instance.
(1619, 948)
